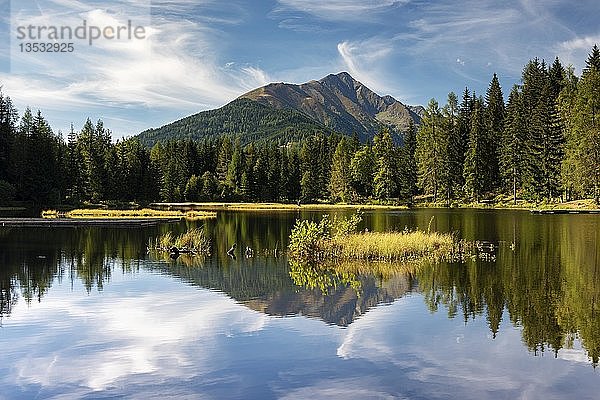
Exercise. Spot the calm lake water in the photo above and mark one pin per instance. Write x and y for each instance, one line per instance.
(86, 313)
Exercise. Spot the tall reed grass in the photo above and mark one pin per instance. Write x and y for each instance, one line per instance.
(340, 240)
(194, 241)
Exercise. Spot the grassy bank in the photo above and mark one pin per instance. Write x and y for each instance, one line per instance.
(272, 206)
(508, 203)
(127, 214)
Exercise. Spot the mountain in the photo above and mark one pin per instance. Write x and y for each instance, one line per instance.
(339, 102)
(284, 112)
(249, 119)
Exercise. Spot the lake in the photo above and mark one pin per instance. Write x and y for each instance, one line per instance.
(87, 313)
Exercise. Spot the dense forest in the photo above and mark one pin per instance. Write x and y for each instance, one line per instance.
(542, 144)
(244, 118)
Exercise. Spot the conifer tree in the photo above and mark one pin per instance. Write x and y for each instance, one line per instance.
(362, 171)
(587, 126)
(431, 151)
(494, 124)
(512, 149)
(8, 121)
(385, 186)
(452, 174)
(339, 183)
(475, 161)
(571, 173)
(409, 162)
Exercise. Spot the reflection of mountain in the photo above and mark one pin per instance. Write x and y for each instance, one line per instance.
(264, 285)
(549, 285)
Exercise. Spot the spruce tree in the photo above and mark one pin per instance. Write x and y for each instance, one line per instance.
(475, 161)
(385, 185)
(339, 183)
(512, 148)
(452, 174)
(431, 153)
(8, 121)
(409, 162)
(494, 124)
(587, 126)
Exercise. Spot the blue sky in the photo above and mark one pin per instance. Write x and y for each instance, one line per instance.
(199, 55)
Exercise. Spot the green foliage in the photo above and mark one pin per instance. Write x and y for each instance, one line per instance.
(252, 121)
(326, 280)
(193, 188)
(431, 152)
(339, 184)
(306, 238)
(385, 183)
(362, 171)
(542, 146)
(476, 158)
(7, 192)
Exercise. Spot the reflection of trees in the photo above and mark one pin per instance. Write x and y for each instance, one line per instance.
(549, 285)
(325, 279)
(32, 259)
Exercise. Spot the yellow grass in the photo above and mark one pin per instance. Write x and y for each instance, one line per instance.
(128, 214)
(390, 246)
(274, 206)
(50, 214)
(193, 241)
(506, 202)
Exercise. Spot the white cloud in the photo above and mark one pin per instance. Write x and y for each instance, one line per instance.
(177, 66)
(340, 10)
(575, 51)
(506, 35)
(363, 60)
(128, 336)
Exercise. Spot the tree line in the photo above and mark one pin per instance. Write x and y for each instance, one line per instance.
(542, 144)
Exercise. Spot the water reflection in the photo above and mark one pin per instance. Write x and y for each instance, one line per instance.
(545, 279)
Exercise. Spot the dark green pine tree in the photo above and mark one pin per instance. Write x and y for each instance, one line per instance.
(273, 184)
(385, 185)
(465, 111)
(311, 169)
(8, 123)
(475, 161)
(339, 183)
(409, 162)
(593, 60)
(494, 121)
(235, 169)
(557, 75)
(260, 174)
(224, 159)
(452, 176)
(75, 166)
(292, 184)
(534, 80)
(512, 145)
(247, 183)
(193, 189)
(431, 153)
(585, 138)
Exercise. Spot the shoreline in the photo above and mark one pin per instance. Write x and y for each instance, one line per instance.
(78, 222)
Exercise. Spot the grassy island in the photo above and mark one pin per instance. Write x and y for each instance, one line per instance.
(339, 240)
